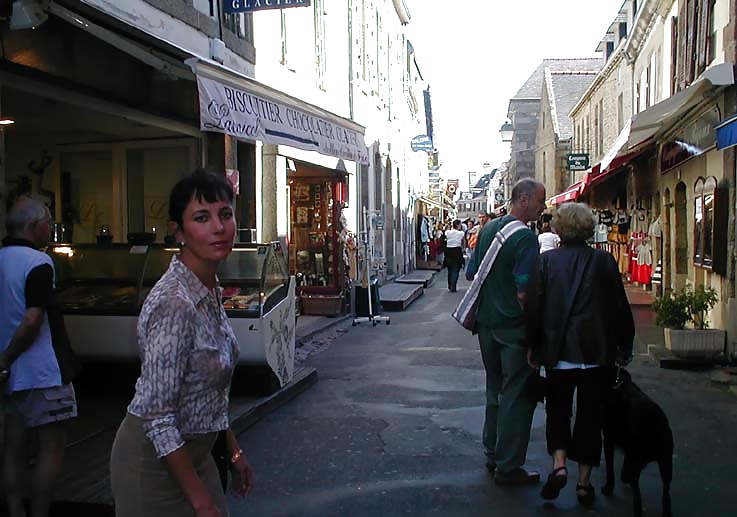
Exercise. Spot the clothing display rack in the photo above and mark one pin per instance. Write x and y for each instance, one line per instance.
(367, 237)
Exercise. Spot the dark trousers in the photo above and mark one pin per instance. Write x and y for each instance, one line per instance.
(509, 410)
(584, 445)
(454, 270)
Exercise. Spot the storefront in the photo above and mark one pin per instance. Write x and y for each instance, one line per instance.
(321, 254)
(304, 156)
(430, 218)
(81, 137)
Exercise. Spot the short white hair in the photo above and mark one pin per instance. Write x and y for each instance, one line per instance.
(574, 223)
(26, 212)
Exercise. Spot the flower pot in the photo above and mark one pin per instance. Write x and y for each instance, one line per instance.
(693, 343)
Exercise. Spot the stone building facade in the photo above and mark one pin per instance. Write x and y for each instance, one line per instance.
(524, 111)
(561, 89)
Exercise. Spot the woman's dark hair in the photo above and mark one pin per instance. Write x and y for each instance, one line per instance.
(199, 185)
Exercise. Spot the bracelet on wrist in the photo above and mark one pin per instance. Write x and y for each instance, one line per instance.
(236, 455)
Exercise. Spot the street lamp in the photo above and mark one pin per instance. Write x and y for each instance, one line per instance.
(507, 131)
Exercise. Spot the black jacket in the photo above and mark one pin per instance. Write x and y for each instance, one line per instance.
(592, 325)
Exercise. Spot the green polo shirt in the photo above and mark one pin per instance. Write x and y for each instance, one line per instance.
(499, 307)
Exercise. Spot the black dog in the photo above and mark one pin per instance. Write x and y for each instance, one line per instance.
(638, 426)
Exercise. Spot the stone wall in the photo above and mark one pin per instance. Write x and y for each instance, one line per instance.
(524, 115)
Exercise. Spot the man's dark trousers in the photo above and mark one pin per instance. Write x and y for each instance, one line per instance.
(509, 410)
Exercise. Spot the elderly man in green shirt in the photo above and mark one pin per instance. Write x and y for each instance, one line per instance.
(501, 332)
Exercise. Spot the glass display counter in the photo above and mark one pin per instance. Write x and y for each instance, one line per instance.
(101, 290)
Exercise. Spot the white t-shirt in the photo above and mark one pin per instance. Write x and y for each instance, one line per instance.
(548, 241)
(454, 238)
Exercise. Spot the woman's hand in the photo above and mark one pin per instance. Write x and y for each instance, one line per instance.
(531, 360)
(242, 476)
(207, 508)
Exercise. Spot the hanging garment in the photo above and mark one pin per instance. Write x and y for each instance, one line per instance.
(656, 229)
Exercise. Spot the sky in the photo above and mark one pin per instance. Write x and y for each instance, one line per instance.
(477, 54)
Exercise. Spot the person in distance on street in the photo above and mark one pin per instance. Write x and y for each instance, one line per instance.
(455, 244)
(579, 324)
(501, 332)
(161, 462)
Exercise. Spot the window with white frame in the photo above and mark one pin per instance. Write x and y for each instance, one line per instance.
(240, 24)
(704, 204)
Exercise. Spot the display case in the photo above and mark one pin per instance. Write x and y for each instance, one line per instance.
(101, 290)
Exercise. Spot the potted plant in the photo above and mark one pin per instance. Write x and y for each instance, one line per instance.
(690, 307)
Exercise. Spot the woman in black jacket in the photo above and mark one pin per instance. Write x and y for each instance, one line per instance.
(579, 326)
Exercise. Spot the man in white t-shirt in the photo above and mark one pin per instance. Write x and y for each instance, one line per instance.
(455, 243)
(547, 239)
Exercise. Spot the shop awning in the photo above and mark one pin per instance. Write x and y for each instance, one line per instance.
(617, 165)
(569, 195)
(233, 103)
(242, 107)
(727, 133)
(435, 203)
(660, 117)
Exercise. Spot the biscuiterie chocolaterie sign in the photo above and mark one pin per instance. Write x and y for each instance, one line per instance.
(238, 112)
(248, 6)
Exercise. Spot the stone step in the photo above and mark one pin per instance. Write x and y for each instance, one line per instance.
(425, 278)
(397, 297)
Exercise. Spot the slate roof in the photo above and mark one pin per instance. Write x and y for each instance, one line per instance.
(565, 88)
(533, 87)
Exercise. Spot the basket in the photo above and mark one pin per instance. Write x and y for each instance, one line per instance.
(322, 304)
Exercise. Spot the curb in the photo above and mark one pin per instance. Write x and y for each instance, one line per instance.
(331, 323)
(304, 378)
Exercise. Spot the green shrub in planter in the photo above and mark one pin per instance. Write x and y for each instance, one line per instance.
(689, 305)
(671, 311)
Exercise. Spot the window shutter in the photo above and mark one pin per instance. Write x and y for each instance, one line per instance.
(703, 36)
(720, 230)
(674, 56)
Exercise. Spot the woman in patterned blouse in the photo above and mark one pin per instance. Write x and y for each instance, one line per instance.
(161, 463)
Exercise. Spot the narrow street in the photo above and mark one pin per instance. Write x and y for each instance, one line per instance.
(393, 428)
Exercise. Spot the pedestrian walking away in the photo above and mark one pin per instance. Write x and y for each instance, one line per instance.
(501, 333)
(37, 365)
(454, 260)
(161, 462)
(579, 324)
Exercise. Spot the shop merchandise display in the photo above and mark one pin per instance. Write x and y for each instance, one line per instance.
(318, 235)
(627, 235)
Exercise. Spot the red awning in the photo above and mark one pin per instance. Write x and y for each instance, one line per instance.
(615, 166)
(569, 195)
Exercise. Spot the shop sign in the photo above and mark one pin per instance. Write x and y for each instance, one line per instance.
(421, 143)
(691, 141)
(242, 114)
(249, 6)
(578, 161)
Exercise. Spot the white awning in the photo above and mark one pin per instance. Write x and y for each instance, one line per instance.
(619, 143)
(242, 107)
(660, 116)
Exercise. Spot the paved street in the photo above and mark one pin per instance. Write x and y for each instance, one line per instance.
(393, 428)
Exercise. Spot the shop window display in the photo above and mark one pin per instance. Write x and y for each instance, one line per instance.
(315, 254)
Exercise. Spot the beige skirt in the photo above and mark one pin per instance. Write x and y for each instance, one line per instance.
(141, 482)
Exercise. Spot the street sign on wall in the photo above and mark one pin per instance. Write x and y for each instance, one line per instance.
(421, 143)
(248, 6)
(578, 162)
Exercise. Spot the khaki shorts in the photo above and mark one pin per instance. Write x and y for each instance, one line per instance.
(43, 405)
